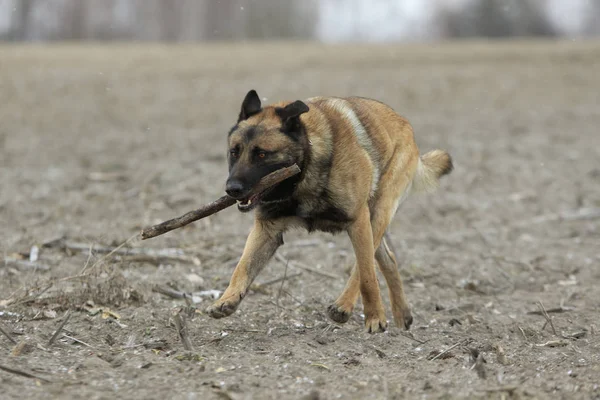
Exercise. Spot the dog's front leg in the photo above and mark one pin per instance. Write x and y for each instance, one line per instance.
(263, 241)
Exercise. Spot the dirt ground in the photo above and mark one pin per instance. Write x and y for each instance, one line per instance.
(99, 141)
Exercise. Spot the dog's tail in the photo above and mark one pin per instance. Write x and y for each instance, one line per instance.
(432, 166)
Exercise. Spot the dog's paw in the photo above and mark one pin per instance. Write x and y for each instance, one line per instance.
(222, 309)
(338, 314)
(403, 318)
(376, 324)
(375, 320)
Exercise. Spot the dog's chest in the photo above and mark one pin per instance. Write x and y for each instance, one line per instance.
(311, 214)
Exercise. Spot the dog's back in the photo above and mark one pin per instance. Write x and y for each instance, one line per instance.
(363, 143)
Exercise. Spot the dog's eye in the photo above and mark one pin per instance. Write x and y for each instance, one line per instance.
(234, 153)
(262, 154)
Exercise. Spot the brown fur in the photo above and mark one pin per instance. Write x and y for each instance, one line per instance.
(359, 162)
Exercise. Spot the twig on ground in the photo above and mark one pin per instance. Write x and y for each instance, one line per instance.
(60, 327)
(450, 348)
(195, 297)
(6, 333)
(560, 309)
(296, 264)
(411, 337)
(277, 280)
(22, 373)
(522, 333)
(508, 389)
(25, 264)
(243, 330)
(110, 253)
(554, 343)
(146, 258)
(87, 262)
(180, 325)
(282, 283)
(218, 205)
(167, 291)
(78, 341)
(144, 254)
(547, 317)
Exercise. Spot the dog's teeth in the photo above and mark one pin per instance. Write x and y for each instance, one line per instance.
(249, 201)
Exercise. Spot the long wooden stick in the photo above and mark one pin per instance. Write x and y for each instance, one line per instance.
(266, 182)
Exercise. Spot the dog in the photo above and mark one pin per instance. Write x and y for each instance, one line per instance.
(358, 162)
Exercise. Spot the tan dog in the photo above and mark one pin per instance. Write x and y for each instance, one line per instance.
(359, 162)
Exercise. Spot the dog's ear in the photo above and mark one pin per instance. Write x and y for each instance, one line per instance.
(250, 106)
(290, 116)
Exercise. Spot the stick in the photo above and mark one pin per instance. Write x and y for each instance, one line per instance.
(282, 283)
(78, 341)
(87, 262)
(60, 328)
(25, 264)
(167, 291)
(560, 309)
(547, 317)
(508, 389)
(305, 267)
(218, 205)
(7, 334)
(277, 280)
(142, 253)
(523, 333)
(182, 331)
(406, 335)
(108, 254)
(22, 373)
(449, 349)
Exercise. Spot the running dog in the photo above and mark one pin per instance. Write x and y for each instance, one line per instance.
(358, 162)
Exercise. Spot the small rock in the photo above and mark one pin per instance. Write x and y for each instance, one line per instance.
(195, 279)
(352, 362)
(22, 348)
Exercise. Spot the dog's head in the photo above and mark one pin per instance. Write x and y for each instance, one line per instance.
(264, 140)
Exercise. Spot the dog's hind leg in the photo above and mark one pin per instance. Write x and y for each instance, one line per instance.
(361, 236)
(341, 310)
(394, 188)
(389, 268)
(263, 241)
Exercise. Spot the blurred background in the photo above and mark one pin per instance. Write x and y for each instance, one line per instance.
(322, 20)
